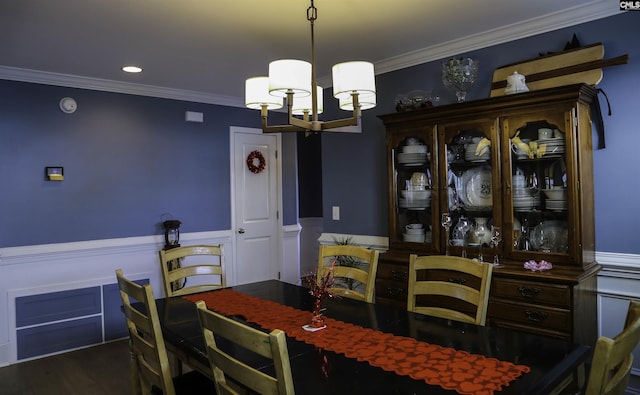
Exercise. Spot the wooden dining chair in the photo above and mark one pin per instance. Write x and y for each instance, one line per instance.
(191, 269)
(354, 271)
(613, 358)
(150, 368)
(229, 371)
(449, 287)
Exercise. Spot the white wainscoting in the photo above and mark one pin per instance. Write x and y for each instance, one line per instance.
(618, 282)
(38, 269)
(290, 271)
(309, 236)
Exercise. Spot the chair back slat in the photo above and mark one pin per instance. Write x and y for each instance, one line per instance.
(271, 345)
(428, 283)
(191, 269)
(358, 281)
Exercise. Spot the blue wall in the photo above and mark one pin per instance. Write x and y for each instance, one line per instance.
(130, 159)
(127, 161)
(354, 167)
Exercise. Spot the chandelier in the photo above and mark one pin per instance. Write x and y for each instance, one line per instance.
(294, 81)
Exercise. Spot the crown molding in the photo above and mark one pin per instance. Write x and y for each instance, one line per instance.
(74, 81)
(590, 11)
(574, 16)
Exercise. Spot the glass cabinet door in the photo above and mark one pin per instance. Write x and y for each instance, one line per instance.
(412, 192)
(468, 217)
(539, 197)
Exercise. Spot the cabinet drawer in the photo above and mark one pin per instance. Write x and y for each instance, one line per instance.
(398, 273)
(532, 292)
(391, 290)
(534, 316)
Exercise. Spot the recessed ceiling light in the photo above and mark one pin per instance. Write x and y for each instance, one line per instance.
(132, 69)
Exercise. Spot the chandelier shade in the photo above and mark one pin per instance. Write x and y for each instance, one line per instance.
(366, 102)
(290, 75)
(353, 77)
(304, 105)
(257, 94)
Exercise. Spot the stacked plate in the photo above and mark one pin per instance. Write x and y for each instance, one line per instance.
(413, 155)
(525, 199)
(556, 199)
(415, 204)
(417, 237)
(554, 146)
(470, 154)
(409, 159)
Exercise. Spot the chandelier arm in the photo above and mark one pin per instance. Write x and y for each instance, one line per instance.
(276, 128)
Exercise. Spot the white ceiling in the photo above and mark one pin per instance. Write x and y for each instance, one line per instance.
(203, 50)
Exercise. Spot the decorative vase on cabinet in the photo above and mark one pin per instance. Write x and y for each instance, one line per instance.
(515, 163)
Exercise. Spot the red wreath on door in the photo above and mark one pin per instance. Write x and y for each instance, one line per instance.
(254, 167)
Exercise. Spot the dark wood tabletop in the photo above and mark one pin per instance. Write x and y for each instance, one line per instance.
(553, 362)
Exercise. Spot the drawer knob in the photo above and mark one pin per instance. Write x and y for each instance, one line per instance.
(457, 280)
(529, 292)
(536, 316)
(394, 291)
(399, 274)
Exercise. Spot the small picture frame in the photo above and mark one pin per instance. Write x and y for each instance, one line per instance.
(54, 173)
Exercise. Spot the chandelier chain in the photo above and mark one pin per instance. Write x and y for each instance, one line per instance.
(312, 13)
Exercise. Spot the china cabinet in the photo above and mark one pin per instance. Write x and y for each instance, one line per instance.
(507, 178)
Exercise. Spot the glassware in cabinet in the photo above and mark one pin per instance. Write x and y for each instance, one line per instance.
(538, 206)
(468, 152)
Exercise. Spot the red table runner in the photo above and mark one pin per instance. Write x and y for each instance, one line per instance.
(451, 369)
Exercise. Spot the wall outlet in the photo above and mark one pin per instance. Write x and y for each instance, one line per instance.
(335, 213)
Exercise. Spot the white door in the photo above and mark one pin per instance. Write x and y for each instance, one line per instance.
(255, 175)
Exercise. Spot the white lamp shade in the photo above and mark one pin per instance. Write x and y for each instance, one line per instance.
(366, 102)
(256, 94)
(290, 74)
(351, 77)
(300, 104)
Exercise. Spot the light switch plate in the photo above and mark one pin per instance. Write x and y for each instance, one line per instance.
(335, 213)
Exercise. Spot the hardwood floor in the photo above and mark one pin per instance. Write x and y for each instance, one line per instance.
(98, 370)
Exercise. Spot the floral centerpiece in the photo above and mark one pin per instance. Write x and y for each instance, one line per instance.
(320, 290)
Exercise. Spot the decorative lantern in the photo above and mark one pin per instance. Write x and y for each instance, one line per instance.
(171, 233)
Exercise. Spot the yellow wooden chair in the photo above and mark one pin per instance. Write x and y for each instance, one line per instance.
(613, 358)
(449, 287)
(356, 281)
(150, 368)
(200, 268)
(229, 371)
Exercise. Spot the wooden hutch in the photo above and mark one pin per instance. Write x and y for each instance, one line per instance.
(496, 162)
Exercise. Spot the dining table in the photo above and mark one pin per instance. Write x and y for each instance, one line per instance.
(370, 348)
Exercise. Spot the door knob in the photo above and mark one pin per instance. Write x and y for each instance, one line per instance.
(241, 231)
